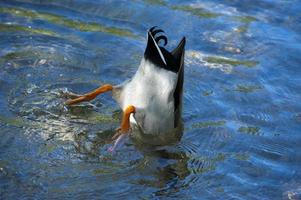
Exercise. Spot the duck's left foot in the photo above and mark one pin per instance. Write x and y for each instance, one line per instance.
(89, 96)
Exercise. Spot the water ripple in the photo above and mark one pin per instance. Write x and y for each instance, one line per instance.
(241, 100)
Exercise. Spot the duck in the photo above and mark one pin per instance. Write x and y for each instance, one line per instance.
(151, 101)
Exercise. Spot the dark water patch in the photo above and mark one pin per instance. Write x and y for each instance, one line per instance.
(16, 28)
(196, 11)
(242, 156)
(247, 88)
(207, 93)
(157, 2)
(60, 20)
(252, 130)
(208, 124)
(33, 57)
(199, 12)
(242, 28)
(17, 122)
(246, 19)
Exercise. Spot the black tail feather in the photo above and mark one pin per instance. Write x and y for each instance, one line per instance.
(178, 54)
(159, 55)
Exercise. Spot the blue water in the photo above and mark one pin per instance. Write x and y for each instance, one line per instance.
(242, 102)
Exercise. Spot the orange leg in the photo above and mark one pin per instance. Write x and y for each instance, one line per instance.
(125, 123)
(91, 95)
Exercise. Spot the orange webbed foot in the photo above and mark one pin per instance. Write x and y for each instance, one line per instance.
(124, 129)
(89, 96)
(125, 122)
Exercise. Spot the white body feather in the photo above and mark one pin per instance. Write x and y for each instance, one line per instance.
(151, 92)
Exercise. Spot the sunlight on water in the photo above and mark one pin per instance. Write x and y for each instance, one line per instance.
(222, 63)
(242, 114)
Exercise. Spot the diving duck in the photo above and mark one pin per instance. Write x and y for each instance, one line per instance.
(151, 100)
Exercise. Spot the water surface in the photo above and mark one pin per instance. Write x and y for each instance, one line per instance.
(242, 108)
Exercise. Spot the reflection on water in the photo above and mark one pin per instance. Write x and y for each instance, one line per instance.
(241, 103)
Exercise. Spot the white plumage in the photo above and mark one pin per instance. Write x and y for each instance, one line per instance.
(151, 92)
(152, 100)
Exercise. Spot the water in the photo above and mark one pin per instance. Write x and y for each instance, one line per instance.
(242, 109)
